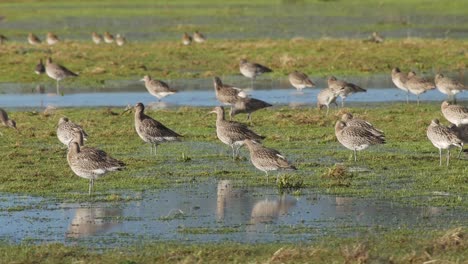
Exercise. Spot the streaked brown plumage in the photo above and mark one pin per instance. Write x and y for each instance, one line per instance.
(51, 38)
(300, 80)
(448, 86)
(33, 39)
(418, 85)
(232, 133)
(108, 38)
(247, 105)
(251, 69)
(152, 131)
(455, 114)
(199, 37)
(349, 119)
(227, 94)
(443, 138)
(399, 79)
(267, 159)
(186, 39)
(7, 121)
(157, 88)
(97, 39)
(66, 131)
(356, 138)
(90, 163)
(120, 40)
(326, 97)
(57, 72)
(343, 88)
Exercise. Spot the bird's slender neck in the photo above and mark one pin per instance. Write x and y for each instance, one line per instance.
(220, 116)
(78, 138)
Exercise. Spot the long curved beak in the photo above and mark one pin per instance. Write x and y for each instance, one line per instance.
(127, 109)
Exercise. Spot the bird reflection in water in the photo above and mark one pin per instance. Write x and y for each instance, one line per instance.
(92, 220)
(267, 210)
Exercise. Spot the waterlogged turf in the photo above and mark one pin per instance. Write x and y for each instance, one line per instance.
(406, 169)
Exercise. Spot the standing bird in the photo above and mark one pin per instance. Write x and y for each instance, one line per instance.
(343, 88)
(232, 133)
(199, 37)
(157, 88)
(252, 70)
(6, 121)
(247, 105)
(33, 39)
(448, 86)
(455, 114)
(51, 38)
(108, 38)
(152, 131)
(40, 68)
(376, 38)
(326, 97)
(267, 159)
(97, 39)
(120, 40)
(300, 80)
(2, 39)
(90, 163)
(186, 39)
(418, 85)
(66, 131)
(356, 122)
(356, 138)
(443, 138)
(227, 94)
(399, 79)
(57, 72)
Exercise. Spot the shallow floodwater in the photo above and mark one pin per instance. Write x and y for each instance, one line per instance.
(199, 92)
(210, 211)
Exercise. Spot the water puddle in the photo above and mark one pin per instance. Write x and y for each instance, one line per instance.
(209, 212)
(198, 92)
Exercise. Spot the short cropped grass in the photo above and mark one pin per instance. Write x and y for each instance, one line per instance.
(406, 169)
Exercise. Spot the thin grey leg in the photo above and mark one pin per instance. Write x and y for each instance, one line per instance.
(407, 97)
(459, 153)
(355, 155)
(448, 156)
(440, 157)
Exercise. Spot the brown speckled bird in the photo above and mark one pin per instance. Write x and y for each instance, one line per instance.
(443, 138)
(455, 114)
(418, 85)
(343, 88)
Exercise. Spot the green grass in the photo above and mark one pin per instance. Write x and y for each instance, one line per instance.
(170, 59)
(404, 170)
(401, 246)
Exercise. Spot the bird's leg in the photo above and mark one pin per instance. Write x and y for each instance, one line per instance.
(233, 152)
(266, 173)
(151, 149)
(155, 148)
(459, 153)
(418, 98)
(58, 88)
(342, 102)
(328, 109)
(440, 157)
(448, 156)
(355, 155)
(407, 97)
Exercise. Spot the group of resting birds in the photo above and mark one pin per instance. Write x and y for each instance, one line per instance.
(52, 39)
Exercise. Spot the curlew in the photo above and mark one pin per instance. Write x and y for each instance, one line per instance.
(51, 38)
(199, 37)
(252, 70)
(349, 119)
(232, 133)
(455, 114)
(108, 38)
(57, 72)
(90, 163)
(443, 138)
(326, 97)
(267, 159)
(157, 88)
(399, 79)
(448, 86)
(33, 39)
(97, 39)
(418, 85)
(120, 40)
(356, 138)
(152, 131)
(300, 80)
(66, 130)
(186, 39)
(7, 121)
(247, 105)
(227, 94)
(343, 88)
